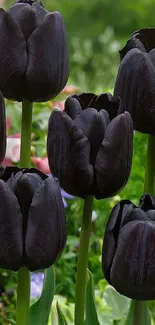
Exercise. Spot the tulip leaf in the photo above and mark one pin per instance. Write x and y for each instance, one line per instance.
(91, 313)
(138, 314)
(11, 322)
(61, 317)
(40, 310)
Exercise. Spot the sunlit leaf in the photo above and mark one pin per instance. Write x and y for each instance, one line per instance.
(40, 310)
(61, 318)
(91, 313)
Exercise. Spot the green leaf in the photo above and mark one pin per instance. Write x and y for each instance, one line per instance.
(91, 314)
(119, 304)
(61, 318)
(138, 314)
(40, 310)
(11, 322)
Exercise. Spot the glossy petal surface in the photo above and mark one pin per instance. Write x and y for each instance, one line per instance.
(25, 17)
(117, 216)
(48, 60)
(11, 229)
(72, 107)
(133, 267)
(135, 84)
(13, 57)
(113, 162)
(93, 124)
(46, 227)
(69, 154)
(2, 128)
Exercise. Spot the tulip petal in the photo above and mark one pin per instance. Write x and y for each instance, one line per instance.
(24, 186)
(11, 229)
(72, 107)
(113, 162)
(134, 215)
(135, 85)
(46, 227)
(111, 232)
(93, 124)
(106, 102)
(25, 17)
(133, 42)
(147, 37)
(69, 155)
(133, 266)
(2, 128)
(147, 202)
(13, 57)
(48, 60)
(86, 99)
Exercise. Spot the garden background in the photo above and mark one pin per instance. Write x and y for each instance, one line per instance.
(96, 30)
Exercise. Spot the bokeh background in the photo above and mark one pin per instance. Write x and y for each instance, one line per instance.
(96, 29)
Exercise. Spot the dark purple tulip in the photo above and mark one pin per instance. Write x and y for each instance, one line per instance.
(32, 219)
(34, 60)
(135, 82)
(90, 146)
(2, 129)
(128, 256)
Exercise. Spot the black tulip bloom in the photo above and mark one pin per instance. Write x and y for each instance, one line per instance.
(135, 82)
(2, 129)
(34, 61)
(89, 146)
(129, 249)
(32, 219)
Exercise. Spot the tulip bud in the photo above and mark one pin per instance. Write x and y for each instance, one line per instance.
(135, 80)
(34, 60)
(89, 146)
(32, 218)
(128, 256)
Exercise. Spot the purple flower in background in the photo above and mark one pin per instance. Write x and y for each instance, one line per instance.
(36, 284)
(65, 196)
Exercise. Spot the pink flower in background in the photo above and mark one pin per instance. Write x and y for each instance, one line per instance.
(6, 162)
(42, 164)
(8, 123)
(70, 89)
(13, 148)
(59, 105)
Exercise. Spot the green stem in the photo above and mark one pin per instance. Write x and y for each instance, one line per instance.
(83, 261)
(23, 296)
(138, 313)
(150, 166)
(26, 134)
(23, 291)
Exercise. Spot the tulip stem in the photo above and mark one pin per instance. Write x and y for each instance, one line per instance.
(26, 134)
(150, 166)
(23, 291)
(83, 261)
(23, 297)
(138, 314)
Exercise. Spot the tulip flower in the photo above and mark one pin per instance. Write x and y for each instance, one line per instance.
(34, 61)
(2, 129)
(32, 219)
(135, 81)
(89, 146)
(129, 249)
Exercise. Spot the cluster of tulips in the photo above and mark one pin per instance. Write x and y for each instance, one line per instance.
(89, 146)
